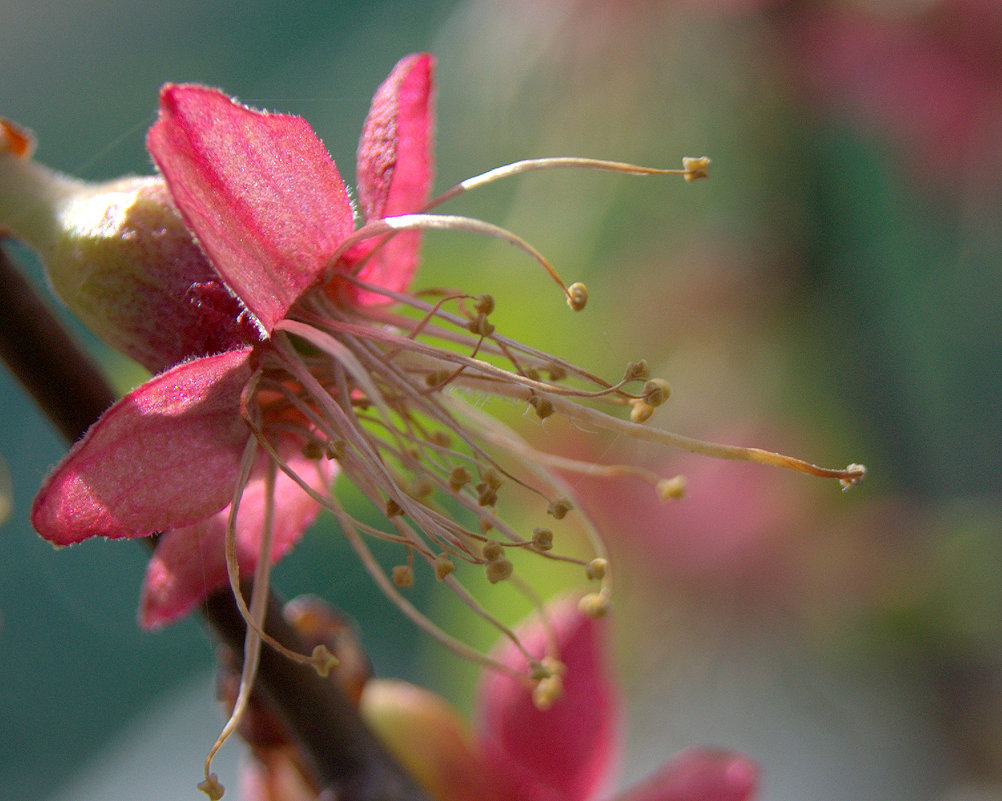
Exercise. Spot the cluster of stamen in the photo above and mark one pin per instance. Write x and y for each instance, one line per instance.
(384, 391)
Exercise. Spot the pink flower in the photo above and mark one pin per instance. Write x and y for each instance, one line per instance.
(270, 210)
(520, 753)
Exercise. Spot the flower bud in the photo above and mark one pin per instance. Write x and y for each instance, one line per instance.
(120, 257)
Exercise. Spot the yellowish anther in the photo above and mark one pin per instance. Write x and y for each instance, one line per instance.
(498, 570)
(857, 472)
(695, 168)
(403, 576)
(443, 566)
(551, 687)
(531, 372)
(421, 488)
(636, 371)
(459, 478)
(577, 296)
(485, 304)
(542, 539)
(323, 661)
(436, 377)
(542, 405)
(656, 391)
(393, 509)
(211, 787)
(640, 412)
(671, 489)
(492, 551)
(595, 569)
(559, 508)
(557, 373)
(595, 604)
(336, 449)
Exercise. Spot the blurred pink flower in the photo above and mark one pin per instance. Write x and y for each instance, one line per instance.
(523, 753)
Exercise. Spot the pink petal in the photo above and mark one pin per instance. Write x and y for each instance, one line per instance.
(259, 191)
(394, 170)
(189, 563)
(166, 455)
(699, 774)
(565, 753)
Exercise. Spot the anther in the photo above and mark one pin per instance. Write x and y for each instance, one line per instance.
(656, 391)
(636, 371)
(557, 373)
(485, 304)
(542, 539)
(594, 604)
(323, 660)
(459, 478)
(336, 449)
(443, 566)
(542, 405)
(403, 576)
(671, 489)
(437, 377)
(393, 509)
(577, 296)
(538, 671)
(695, 168)
(211, 787)
(559, 508)
(858, 473)
(312, 450)
(595, 569)
(480, 326)
(640, 411)
(498, 570)
(492, 551)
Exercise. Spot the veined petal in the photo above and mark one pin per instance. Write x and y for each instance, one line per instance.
(394, 169)
(699, 774)
(164, 456)
(564, 753)
(190, 563)
(259, 191)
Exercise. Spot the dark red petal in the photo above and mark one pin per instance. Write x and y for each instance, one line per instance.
(565, 753)
(190, 563)
(164, 456)
(394, 168)
(259, 191)
(699, 774)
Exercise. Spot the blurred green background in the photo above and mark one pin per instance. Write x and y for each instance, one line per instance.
(833, 290)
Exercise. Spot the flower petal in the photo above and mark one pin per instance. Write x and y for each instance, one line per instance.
(565, 753)
(190, 563)
(258, 190)
(699, 774)
(164, 456)
(394, 170)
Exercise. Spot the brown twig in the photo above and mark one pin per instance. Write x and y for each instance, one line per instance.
(349, 761)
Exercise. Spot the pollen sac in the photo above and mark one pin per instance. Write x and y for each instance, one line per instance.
(695, 168)
(498, 570)
(595, 604)
(559, 508)
(595, 569)
(640, 412)
(656, 391)
(492, 551)
(485, 304)
(459, 478)
(542, 405)
(636, 371)
(443, 566)
(671, 489)
(557, 373)
(393, 509)
(480, 326)
(403, 576)
(577, 296)
(542, 539)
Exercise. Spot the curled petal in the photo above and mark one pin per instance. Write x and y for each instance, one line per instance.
(394, 169)
(699, 774)
(164, 456)
(565, 752)
(259, 191)
(190, 563)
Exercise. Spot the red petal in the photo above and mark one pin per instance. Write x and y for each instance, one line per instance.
(166, 455)
(564, 753)
(190, 563)
(259, 191)
(699, 774)
(394, 168)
